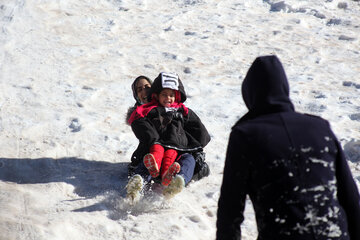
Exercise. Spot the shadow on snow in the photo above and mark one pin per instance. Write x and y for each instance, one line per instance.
(90, 178)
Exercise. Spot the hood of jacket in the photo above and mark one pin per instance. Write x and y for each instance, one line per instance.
(133, 88)
(167, 80)
(265, 88)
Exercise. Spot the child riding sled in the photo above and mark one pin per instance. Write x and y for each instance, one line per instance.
(167, 127)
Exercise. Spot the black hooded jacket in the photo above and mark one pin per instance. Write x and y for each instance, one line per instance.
(290, 165)
(171, 128)
(201, 167)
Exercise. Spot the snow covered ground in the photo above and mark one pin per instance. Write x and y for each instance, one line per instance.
(66, 68)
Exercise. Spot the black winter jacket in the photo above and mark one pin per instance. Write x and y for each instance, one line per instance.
(172, 130)
(201, 167)
(290, 165)
(171, 127)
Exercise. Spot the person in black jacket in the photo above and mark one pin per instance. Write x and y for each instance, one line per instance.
(290, 165)
(166, 126)
(193, 165)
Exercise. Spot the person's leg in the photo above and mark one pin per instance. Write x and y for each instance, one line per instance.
(139, 181)
(178, 182)
(169, 167)
(143, 172)
(168, 159)
(187, 163)
(134, 187)
(140, 177)
(153, 159)
(176, 185)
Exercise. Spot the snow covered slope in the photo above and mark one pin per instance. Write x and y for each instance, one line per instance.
(66, 68)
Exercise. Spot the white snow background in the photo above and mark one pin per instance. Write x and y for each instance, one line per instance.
(66, 68)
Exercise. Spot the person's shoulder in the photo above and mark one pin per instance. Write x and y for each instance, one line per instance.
(241, 126)
(191, 115)
(316, 118)
(309, 120)
(313, 116)
(157, 109)
(191, 112)
(128, 113)
(249, 127)
(153, 113)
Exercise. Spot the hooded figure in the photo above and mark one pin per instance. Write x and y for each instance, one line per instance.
(290, 165)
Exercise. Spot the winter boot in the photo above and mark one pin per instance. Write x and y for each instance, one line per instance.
(170, 173)
(134, 187)
(176, 185)
(151, 165)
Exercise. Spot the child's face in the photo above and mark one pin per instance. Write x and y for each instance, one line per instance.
(142, 89)
(166, 97)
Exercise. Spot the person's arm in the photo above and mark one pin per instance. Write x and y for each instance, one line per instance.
(348, 193)
(138, 154)
(196, 128)
(145, 131)
(231, 203)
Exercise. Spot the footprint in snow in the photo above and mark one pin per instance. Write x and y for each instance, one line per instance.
(195, 219)
(75, 126)
(355, 117)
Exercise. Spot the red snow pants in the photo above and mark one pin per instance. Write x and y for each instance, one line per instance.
(164, 158)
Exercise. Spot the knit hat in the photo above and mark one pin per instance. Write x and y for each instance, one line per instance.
(167, 80)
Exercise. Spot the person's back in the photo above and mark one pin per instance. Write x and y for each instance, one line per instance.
(290, 164)
(292, 182)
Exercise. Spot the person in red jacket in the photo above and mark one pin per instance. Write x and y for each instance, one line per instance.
(167, 127)
(290, 165)
(141, 88)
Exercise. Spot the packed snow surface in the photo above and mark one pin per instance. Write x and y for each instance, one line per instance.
(66, 68)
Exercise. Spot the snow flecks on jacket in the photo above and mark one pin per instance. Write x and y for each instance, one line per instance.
(308, 149)
(323, 162)
(329, 228)
(297, 192)
(313, 217)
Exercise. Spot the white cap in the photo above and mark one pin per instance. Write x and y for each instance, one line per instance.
(170, 80)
